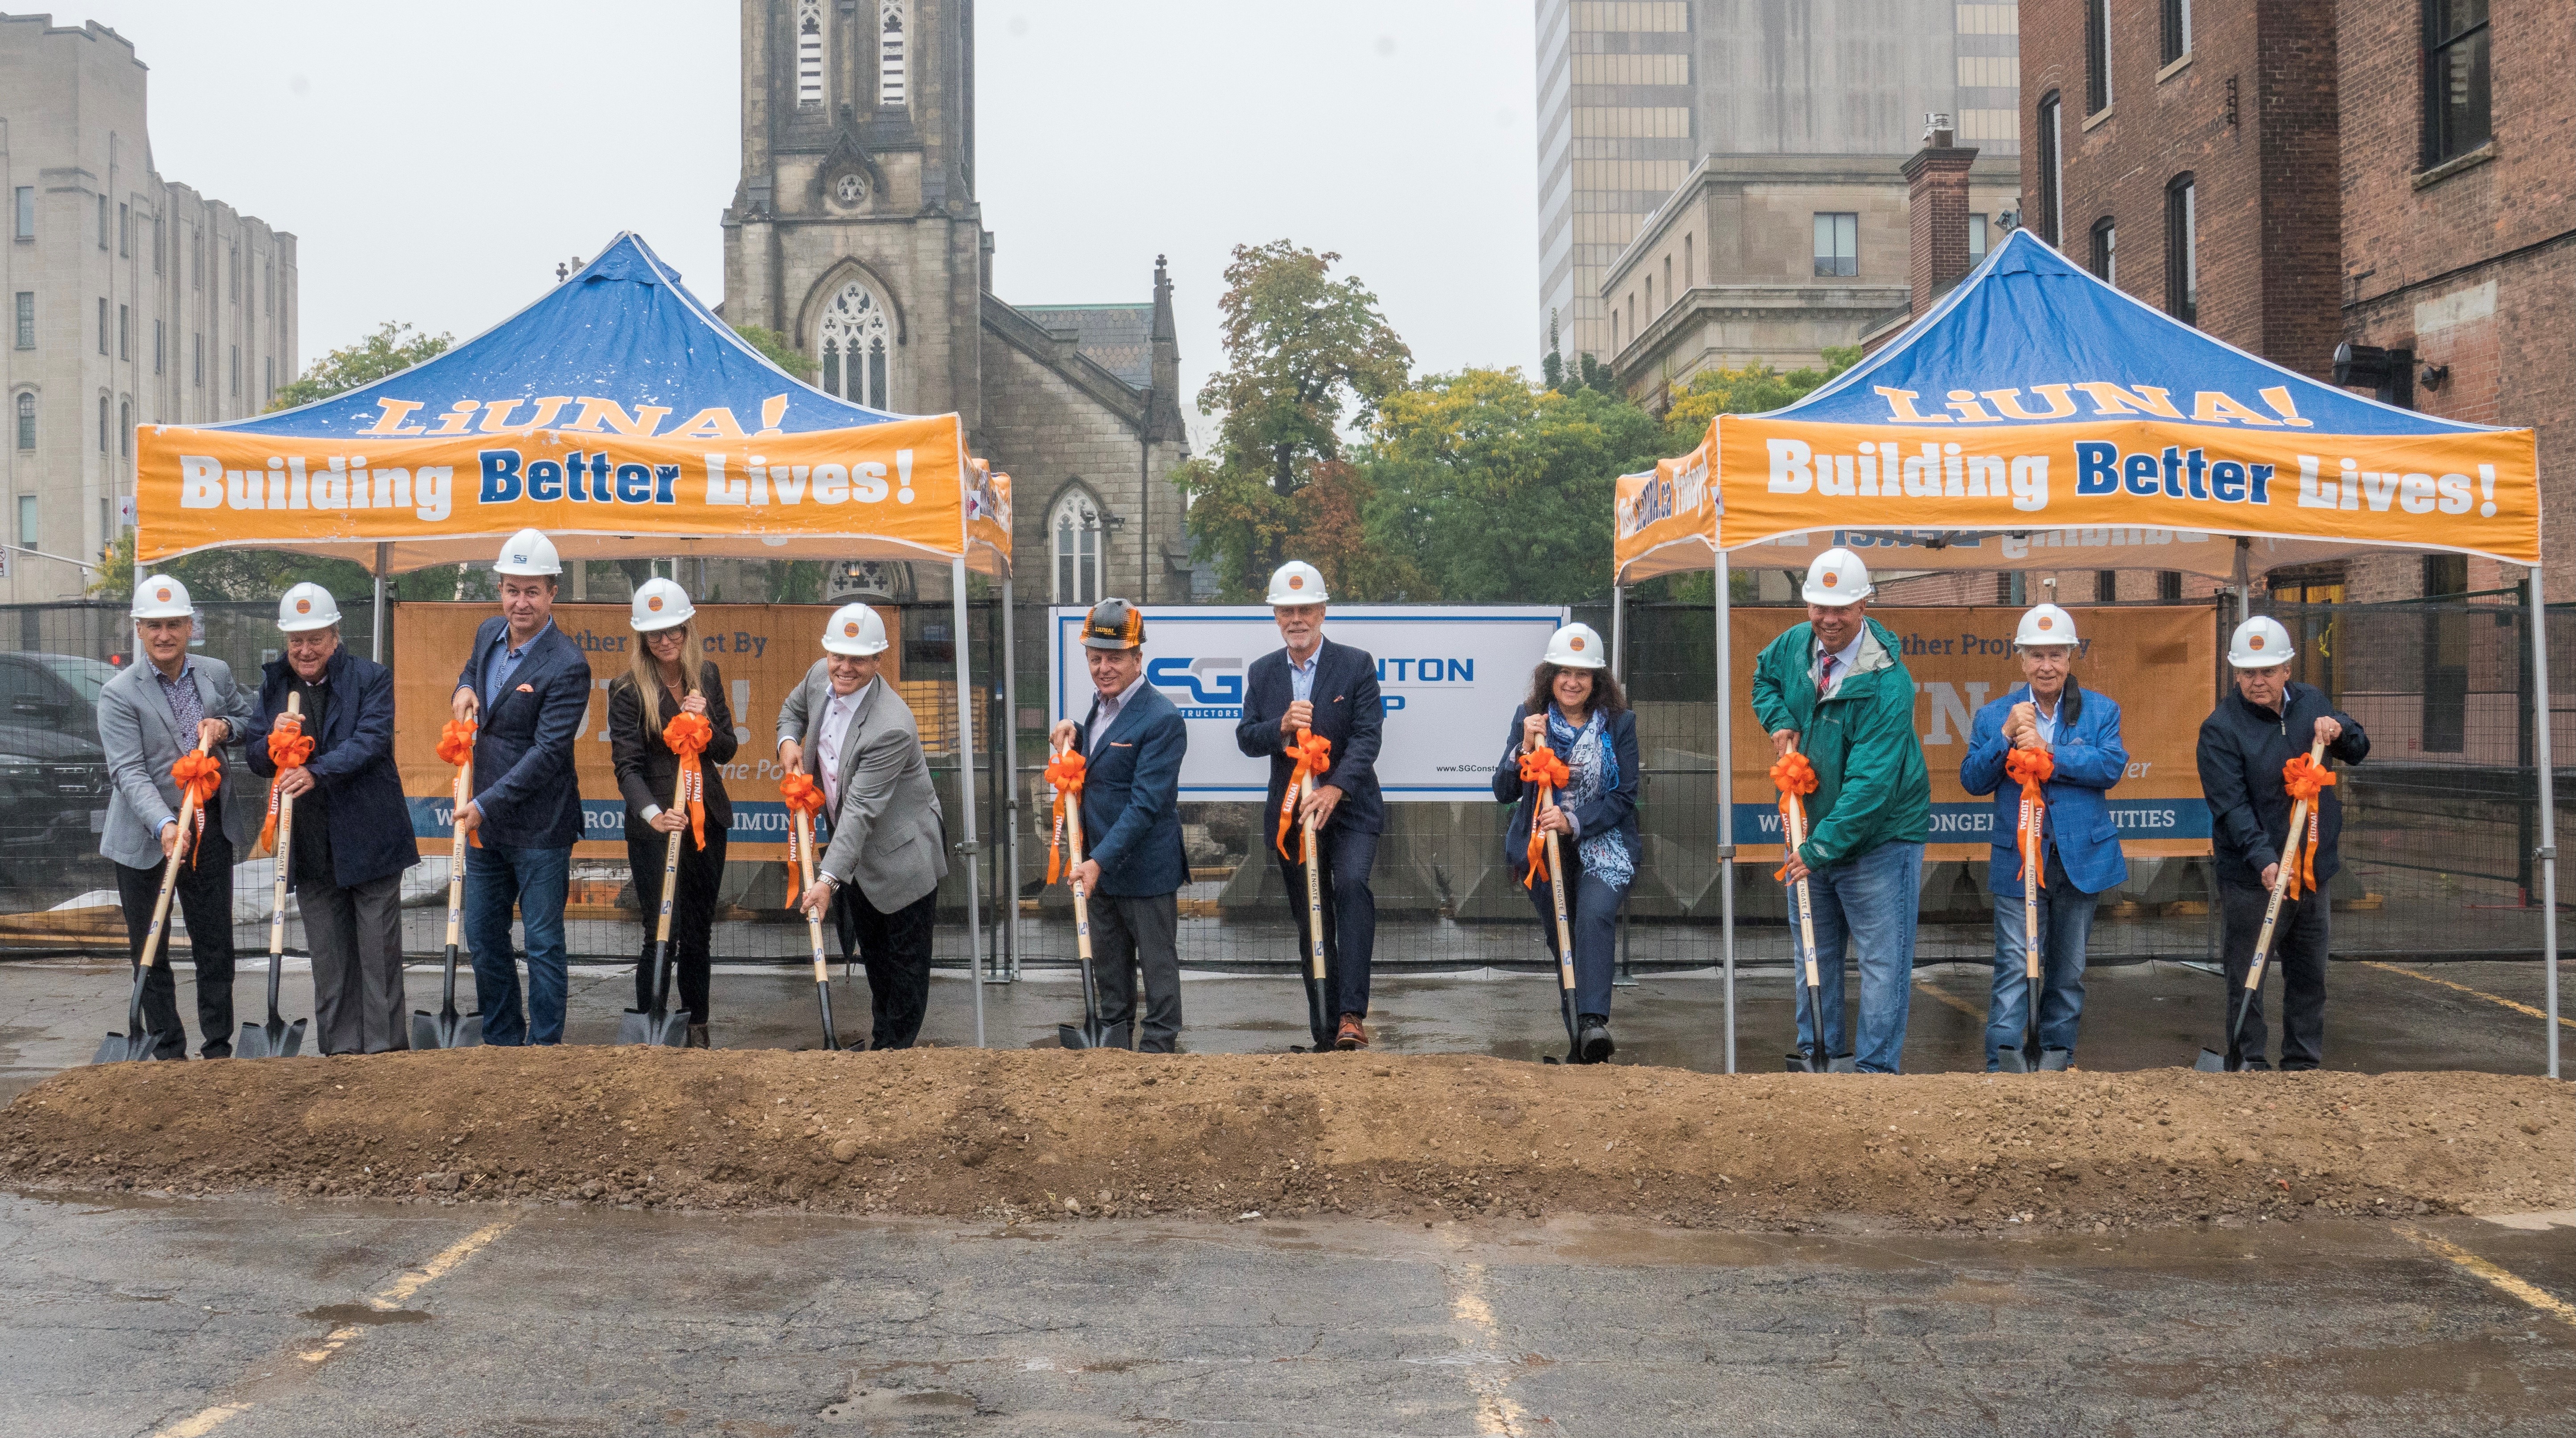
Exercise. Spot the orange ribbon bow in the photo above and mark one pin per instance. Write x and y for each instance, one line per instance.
(288, 748)
(1794, 777)
(1540, 766)
(1064, 775)
(198, 776)
(687, 736)
(802, 796)
(2306, 779)
(1308, 753)
(456, 750)
(2032, 769)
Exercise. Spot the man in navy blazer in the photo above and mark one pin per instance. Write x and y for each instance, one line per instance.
(1330, 690)
(2081, 732)
(528, 687)
(1132, 864)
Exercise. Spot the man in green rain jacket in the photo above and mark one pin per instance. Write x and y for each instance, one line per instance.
(1834, 689)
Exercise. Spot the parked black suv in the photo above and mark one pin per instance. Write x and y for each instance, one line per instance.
(53, 775)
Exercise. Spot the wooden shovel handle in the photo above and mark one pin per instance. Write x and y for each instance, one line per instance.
(2280, 882)
(170, 870)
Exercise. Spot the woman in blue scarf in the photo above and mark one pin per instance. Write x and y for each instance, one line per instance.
(1576, 709)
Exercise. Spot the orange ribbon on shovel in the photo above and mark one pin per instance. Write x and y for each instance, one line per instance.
(2306, 779)
(1794, 777)
(802, 796)
(2032, 769)
(1308, 753)
(198, 775)
(1064, 775)
(688, 735)
(1540, 766)
(456, 750)
(288, 748)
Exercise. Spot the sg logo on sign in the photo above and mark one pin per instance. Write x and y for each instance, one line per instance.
(1220, 696)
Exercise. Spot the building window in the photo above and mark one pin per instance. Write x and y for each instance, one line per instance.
(124, 332)
(2182, 251)
(26, 439)
(160, 235)
(2177, 29)
(1976, 238)
(1837, 244)
(2106, 251)
(891, 64)
(102, 424)
(125, 427)
(102, 222)
(2097, 56)
(809, 52)
(26, 319)
(160, 346)
(2106, 586)
(197, 370)
(26, 212)
(1614, 329)
(27, 520)
(1073, 540)
(102, 324)
(1668, 279)
(124, 230)
(2052, 185)
(234, 375)
(853, 338)
(1690, 270)
(2456, 118)
(2169, 586)
(1650, 295)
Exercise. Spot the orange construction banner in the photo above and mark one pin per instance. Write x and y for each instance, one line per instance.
(1667, 518)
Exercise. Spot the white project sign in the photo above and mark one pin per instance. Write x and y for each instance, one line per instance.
(1450, 677)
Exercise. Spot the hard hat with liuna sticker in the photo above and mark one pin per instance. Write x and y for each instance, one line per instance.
(306, 607)
(1113, 624)
(162, 597)
(2260, 643)
(660, 604)
(1836, 579)
(2045, 624)
(855, 629)
(1297, 582)
(1576, 646)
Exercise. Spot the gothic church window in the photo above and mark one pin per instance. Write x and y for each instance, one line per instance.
(1073, 542)
(854, 335)
(809, 52)
(890, 53)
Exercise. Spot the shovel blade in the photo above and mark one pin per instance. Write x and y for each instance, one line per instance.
(2056, 1061)
(2210, 1062)
(275, 1040)
(118, 1049)
(446, 1031)
(640, 1026)
(2012, 1061)
(1072, 1036)
(1800, 1063)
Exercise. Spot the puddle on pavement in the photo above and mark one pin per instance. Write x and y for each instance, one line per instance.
(360, 1313)
(877, 1406)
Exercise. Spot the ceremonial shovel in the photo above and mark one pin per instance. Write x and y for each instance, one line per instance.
(2016, 1059)
(1564, 948)
(446, 1029)
(656, 1025)
(1318, 1002)
(1091, 1034)
(277, 1038)
(2215, 1061)
(814, 926)
(135, 1044)
(1813, 1059)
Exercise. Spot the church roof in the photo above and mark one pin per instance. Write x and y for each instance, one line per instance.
(622, 331)
(1118, 338)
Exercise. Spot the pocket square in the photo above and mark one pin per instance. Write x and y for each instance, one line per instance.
(527, 689)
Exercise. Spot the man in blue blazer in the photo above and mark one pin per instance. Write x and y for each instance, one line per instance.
(1314, 685)
(352, 837)
(2081, 732)
(1132, 864)
(528, 687)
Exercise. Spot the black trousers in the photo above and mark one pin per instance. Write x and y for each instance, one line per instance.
(1350, 926)
(2299, 952)
(1129, 933)
(693, 914)
(895, 950)
(204, 897)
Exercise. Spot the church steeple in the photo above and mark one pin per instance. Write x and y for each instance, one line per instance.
(1163, 418)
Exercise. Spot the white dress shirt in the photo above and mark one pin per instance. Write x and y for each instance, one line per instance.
(1105, 712)
(839, 713)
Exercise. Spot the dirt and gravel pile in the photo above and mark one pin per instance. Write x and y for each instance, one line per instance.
(1058, 1134)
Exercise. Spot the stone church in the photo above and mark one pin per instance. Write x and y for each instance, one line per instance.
(855, 234)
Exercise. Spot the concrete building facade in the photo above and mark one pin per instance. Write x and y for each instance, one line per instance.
(132, 300)
(856, 234)
(1637, 97)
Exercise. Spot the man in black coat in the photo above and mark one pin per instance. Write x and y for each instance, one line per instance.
(352, 835)
(1314, 685)
(2244, 745)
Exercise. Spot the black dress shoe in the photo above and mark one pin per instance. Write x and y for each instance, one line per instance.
(1592, 1043)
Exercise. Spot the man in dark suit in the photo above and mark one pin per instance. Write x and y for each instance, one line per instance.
(1330, 690)
(1132, 864)
(528, 687)
(352, 838)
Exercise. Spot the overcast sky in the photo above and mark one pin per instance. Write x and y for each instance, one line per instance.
(436, 163)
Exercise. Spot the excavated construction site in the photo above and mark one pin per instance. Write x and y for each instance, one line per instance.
(1061, 1135)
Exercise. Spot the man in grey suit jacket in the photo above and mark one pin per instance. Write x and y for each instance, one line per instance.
(851, 731)
(148, 716)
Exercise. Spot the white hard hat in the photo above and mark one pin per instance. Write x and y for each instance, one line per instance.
(307, 606)
(2260, 643)
(660, 604)
(161, 597)
(2046, 624)
(1577, 646)
(855, 629)
(1837, 578)
(1297, 582)
(528, 552)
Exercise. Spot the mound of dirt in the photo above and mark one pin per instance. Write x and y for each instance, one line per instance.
(961, 1132)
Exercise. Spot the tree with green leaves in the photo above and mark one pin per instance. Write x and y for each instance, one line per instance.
(775, 348)
(1749, 389)
(1305, 353)
(391, 349)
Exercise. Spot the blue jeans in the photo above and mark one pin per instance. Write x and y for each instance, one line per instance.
(1867, 903)
(496, 878)
(2065, 923)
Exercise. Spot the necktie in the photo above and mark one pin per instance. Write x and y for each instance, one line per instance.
(1825, 675)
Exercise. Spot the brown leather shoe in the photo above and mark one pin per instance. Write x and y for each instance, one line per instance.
(1352, 1035)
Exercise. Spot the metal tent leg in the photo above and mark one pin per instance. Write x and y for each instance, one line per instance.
(1726, 802)
(2542, 756)
(1009, 742)
(970, 849)
(376, 625)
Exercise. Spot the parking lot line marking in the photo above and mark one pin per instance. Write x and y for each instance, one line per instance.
(2464, 988)
(2497, 1277)
(204, 1423)
(1953, 1000)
